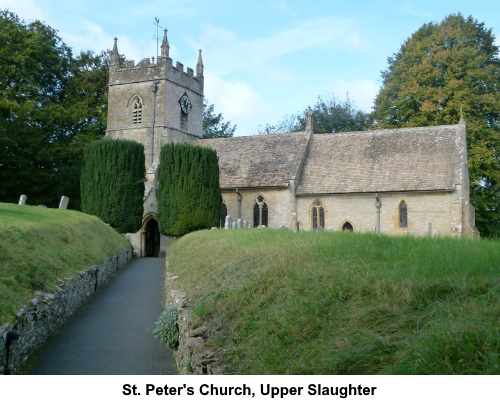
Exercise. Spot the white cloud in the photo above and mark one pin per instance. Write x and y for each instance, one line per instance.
(25, 9)
(238, 102)
(361, 92)
(228, 53)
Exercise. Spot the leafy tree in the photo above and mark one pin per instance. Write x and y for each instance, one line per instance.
(214, 125)
(51, 105)
(440, 70)
(112, 182)
(34, 71)
(330, 115)
(189, 195)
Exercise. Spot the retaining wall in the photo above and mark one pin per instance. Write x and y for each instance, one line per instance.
(35, 322)
(192, 356)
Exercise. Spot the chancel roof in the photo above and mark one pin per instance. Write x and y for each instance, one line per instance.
(405, 159)
(256, 161)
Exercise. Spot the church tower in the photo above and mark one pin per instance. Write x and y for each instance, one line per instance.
(154, 103)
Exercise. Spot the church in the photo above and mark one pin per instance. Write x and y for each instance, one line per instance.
(407, 181)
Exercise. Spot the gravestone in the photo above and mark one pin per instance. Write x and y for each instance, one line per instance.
(228, 223)
(64, 203)
(22, 199)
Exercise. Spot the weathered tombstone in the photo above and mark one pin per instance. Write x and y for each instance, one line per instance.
(227, 225)
(233, 225)
(295, 225)
(64, 203)
(22, 199)
(246, 224)
(239, 223)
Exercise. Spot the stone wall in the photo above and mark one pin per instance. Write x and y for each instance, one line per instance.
(192, 356)
(36, 322)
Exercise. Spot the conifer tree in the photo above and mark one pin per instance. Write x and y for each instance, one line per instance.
(189, 195)
(112, 183)
(441, 70)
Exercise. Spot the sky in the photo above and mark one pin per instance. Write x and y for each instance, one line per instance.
(262, 60)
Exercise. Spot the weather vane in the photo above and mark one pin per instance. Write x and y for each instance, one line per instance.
(157, 23)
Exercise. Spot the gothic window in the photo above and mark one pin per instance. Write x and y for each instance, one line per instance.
(260, 212)
(137, 111)
(318, 216)
(223, 215)
(403, 215)
(347, 227)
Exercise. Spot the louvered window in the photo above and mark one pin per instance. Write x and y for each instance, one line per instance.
(137, 111)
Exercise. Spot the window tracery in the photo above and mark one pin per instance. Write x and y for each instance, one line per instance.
(260, 212)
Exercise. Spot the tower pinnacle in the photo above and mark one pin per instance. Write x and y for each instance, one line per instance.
(199, 66)
(165, 47)
(115, 58)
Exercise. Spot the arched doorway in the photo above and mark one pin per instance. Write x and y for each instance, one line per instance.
(152, 239)
(347, 227)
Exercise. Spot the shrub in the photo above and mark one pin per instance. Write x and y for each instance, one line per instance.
(189, 196)
(112, 183)
(167, 331)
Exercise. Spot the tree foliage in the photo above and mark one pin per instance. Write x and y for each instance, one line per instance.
(440, 70)
(112, 183)
(330, 115)
(214, 125)
(189, 195)
(51, 105)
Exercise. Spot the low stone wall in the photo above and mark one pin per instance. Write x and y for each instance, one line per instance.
(192, 356)
(35, 322)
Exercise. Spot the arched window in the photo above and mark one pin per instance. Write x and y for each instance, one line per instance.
(317, 216)
(403, 215)
(260, 212)
(347, 227)
(137, 111)
(223, 215)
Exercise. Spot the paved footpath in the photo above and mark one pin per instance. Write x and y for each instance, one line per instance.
(112, 333)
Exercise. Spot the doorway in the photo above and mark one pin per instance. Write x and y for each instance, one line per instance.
(347, 227)
(152, 239)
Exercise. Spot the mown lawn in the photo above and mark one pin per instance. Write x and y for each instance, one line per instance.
(40, 245)
(278, 302)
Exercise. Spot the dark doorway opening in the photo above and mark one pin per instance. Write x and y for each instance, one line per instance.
(347, 227)
(152, 239)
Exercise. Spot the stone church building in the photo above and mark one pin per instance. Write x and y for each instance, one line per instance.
(397, 181)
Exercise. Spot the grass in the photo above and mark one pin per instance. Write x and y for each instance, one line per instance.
(38, 246)
(278, 302)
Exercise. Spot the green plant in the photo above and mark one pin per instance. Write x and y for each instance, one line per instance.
(166, 330)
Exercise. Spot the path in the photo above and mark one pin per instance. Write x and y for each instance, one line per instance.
(112, 333)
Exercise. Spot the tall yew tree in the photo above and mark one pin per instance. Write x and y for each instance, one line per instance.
(189, 195)
(440, 70)
(112, 183)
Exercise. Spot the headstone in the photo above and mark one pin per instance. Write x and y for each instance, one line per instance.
(64, 203)
(22, 199)
(228, 223)
(233, 225)
(246, 224)
(295, 225)
(42, 206)
(239, 223)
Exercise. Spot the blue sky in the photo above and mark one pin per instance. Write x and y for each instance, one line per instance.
(263, 59)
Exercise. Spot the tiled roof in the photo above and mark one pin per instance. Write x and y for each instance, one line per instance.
(425, 158)
(256, 161)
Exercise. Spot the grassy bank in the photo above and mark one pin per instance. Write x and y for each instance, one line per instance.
(340, 303)
(40, 245)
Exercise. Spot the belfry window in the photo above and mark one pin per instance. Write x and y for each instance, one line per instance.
(403, 215)
(260, 212)
(137, 111)
(318, 216)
